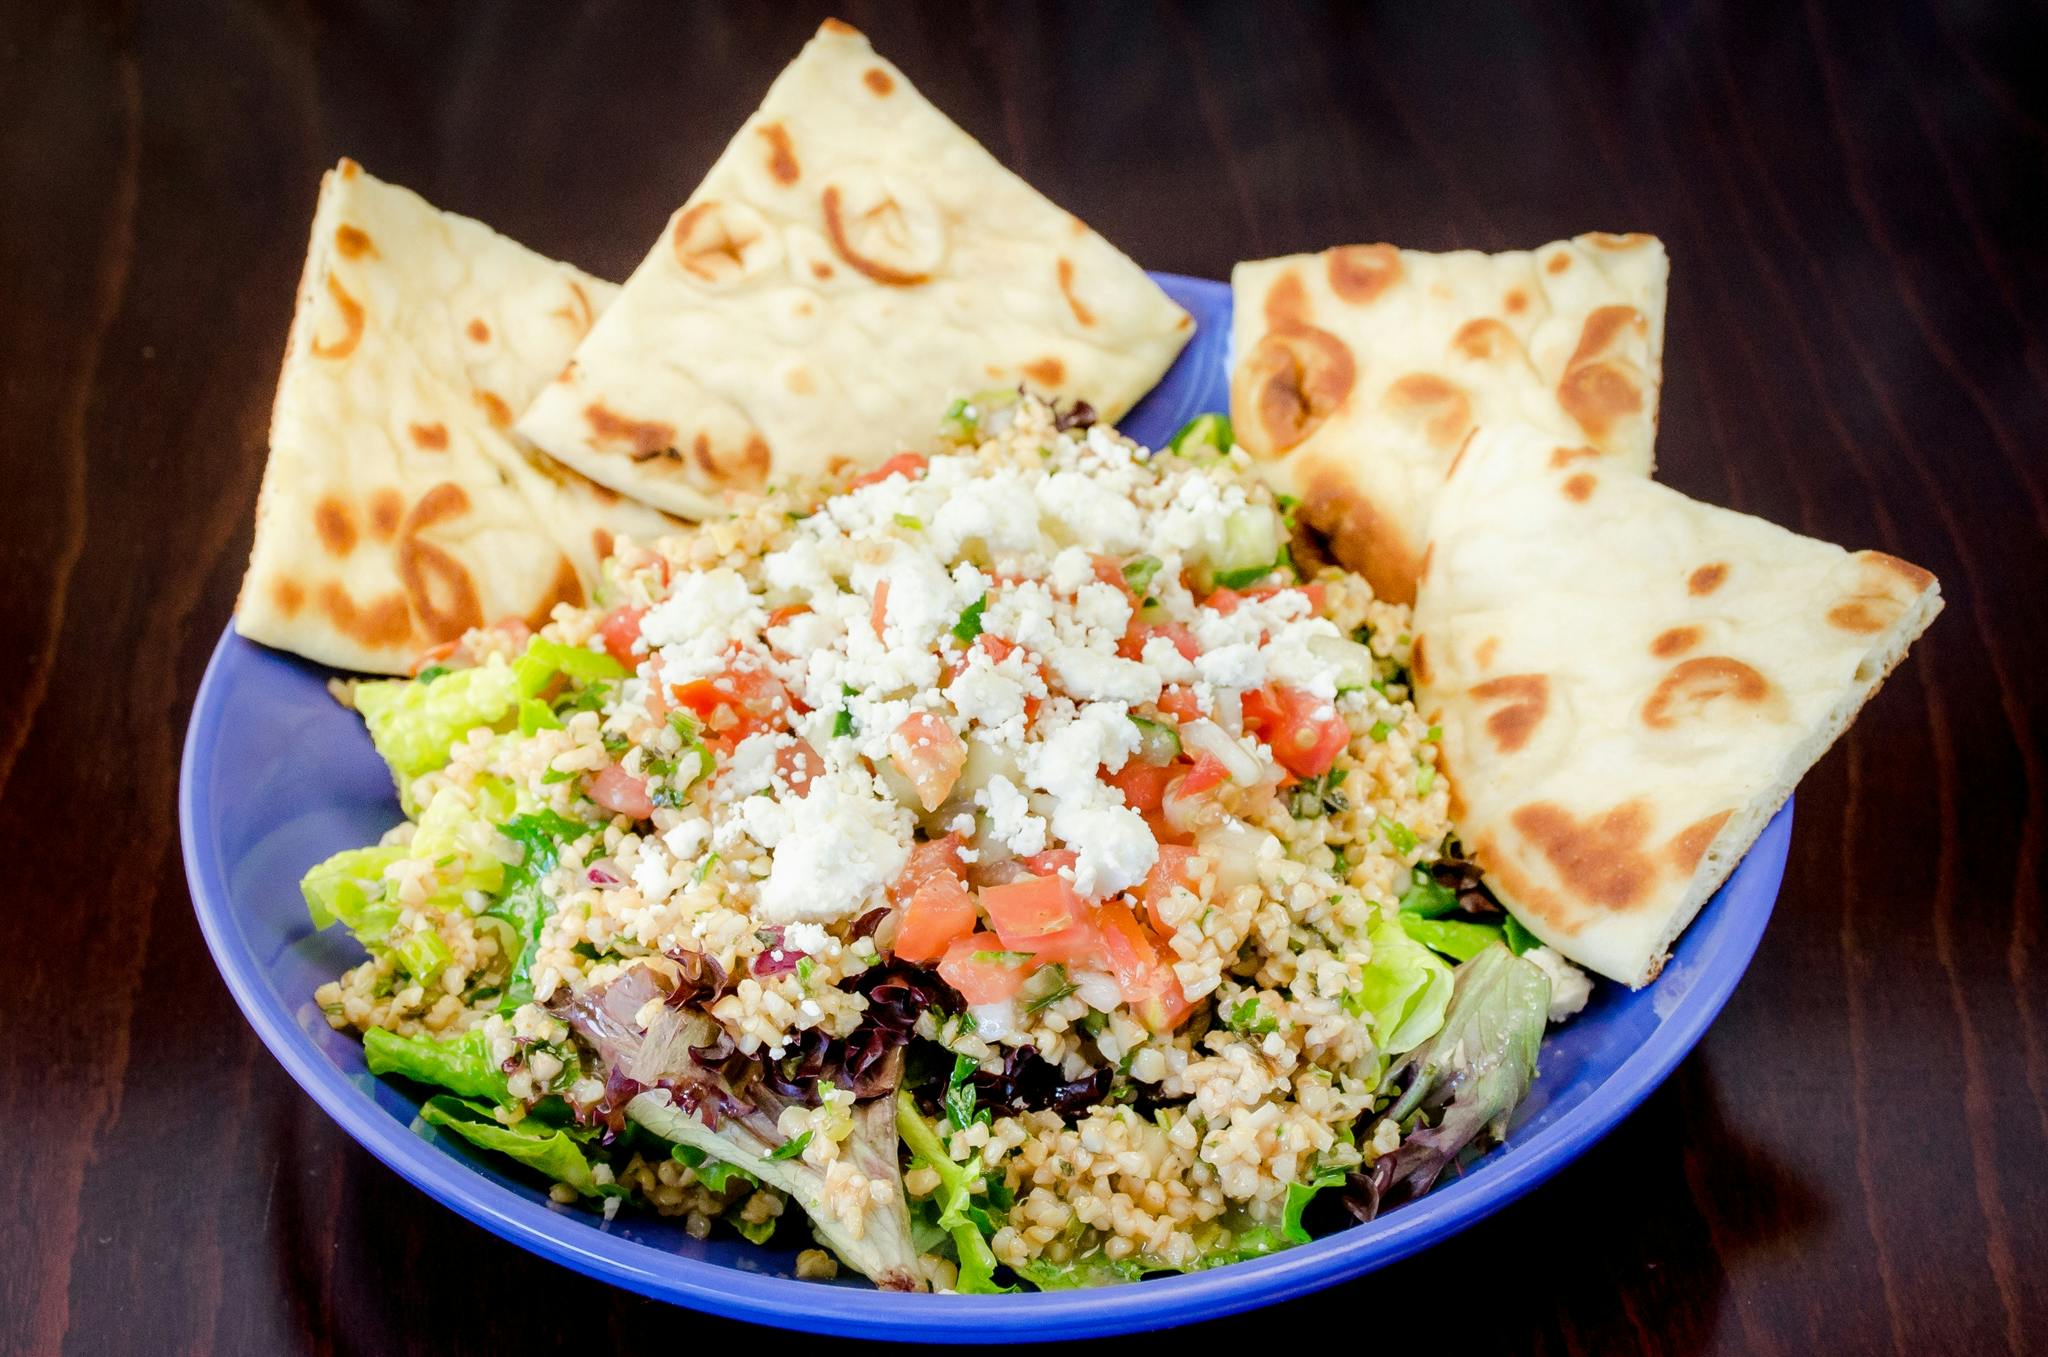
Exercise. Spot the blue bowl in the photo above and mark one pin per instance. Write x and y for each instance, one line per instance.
(276, 776)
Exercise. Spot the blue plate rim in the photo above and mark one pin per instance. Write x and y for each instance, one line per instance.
(1502, 1177)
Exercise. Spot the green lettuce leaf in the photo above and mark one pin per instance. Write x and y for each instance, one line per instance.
(957, 1211)
(549, 1149)
(348, 888)
(1455, 938)
(461, 1064)
(413, 722)
(1404, 990)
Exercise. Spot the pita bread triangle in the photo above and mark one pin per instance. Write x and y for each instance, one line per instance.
(398, 509)
(852, 263)
(1630, 683)
(1361, 370)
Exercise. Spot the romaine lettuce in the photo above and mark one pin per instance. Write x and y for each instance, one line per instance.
(461, 1064)
(550, 1149)
(348, 888)
(1404, 990)
(413, 723)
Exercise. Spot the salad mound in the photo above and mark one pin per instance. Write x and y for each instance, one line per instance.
(1013, 858)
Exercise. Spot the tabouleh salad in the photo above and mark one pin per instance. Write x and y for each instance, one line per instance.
(1009, 867)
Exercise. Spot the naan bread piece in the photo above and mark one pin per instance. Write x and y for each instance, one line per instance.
(1630, 682)
(398, 509)
(1360, 371)
(852, 263)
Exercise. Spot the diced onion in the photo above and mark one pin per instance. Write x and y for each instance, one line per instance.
(1206, 737)
(1350, 663)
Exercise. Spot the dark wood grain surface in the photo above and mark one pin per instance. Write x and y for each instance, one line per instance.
(1856, 1157)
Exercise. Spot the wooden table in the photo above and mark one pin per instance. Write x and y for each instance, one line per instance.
(1852, 1161)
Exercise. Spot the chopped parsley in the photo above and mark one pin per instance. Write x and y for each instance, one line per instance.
(790, 1149)
(1246, 1016)
(958, 1101)
(842, 723)
(1398, 834)
(1060, 989)
(993, 958)
(1318, 796)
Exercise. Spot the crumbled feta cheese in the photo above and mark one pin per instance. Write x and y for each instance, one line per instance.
(1569, 987)
(835, 849)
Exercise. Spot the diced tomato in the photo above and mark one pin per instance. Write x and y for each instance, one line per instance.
(981, 982)
(1143, 784)
(940, 911)
(1051, 862)
(909, 465)
(619, 792)
(998, 649)
(1109, 570)
(1208, 772)
(1305, 732)
(620, 629)
(1035, 907)
(1132, 647)
(736, 704)
(1181, 704)
(879, 618)
(1224, 601)
(1142, 967)
(797, 765)
(939, 857)
(930, 755)
(785, 612)
(1173, 869)
(1314, 593)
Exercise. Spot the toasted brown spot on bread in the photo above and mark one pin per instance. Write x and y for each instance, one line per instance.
(1361, 274)
(1458, 458)
(710, 245)
(1428, 554)
(1706, 579)
(336, 524)
(878, 80)
(289, 596)
(1564, 457)
(1066, 275)
(1523, 699)
(1484, 652)
(381, 623)
(1442, 408)
(1046, 371)
(835, 227)
(1607, 240)
(387, 507)
(746, 470)
(1602, 328)
(578, 312)
(1485, 339)
(495, 409)
(839, 26)
(1693, 685)
(1597, 396)
(479, 331)
(433, 437)
(1515, 302)
(1286, 302)
(799, 381)
(1858, 616)
(1905, 570)
(1294, 378)
(565, 587)
(782, 166)
(348, 169)
(439, 587)
(644, 438)
(1676, 641)
(820, 269)
(1579, 486)
(1690, 844)
(1418, 662)
(602, 542)
(351, 320)
(1558, 262)
(353, 242)
(1601, 860)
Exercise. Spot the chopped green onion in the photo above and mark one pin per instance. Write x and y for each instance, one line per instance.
(1398, 834)
(1012, 959)
(1060, 990)
(1380, 731)
(423, 955)
(1141, 571)
(1245, 1017)
(431, 672)
(910, 521)
(1425, 778)
(969, 625)
(697, 878)
(535, 715)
